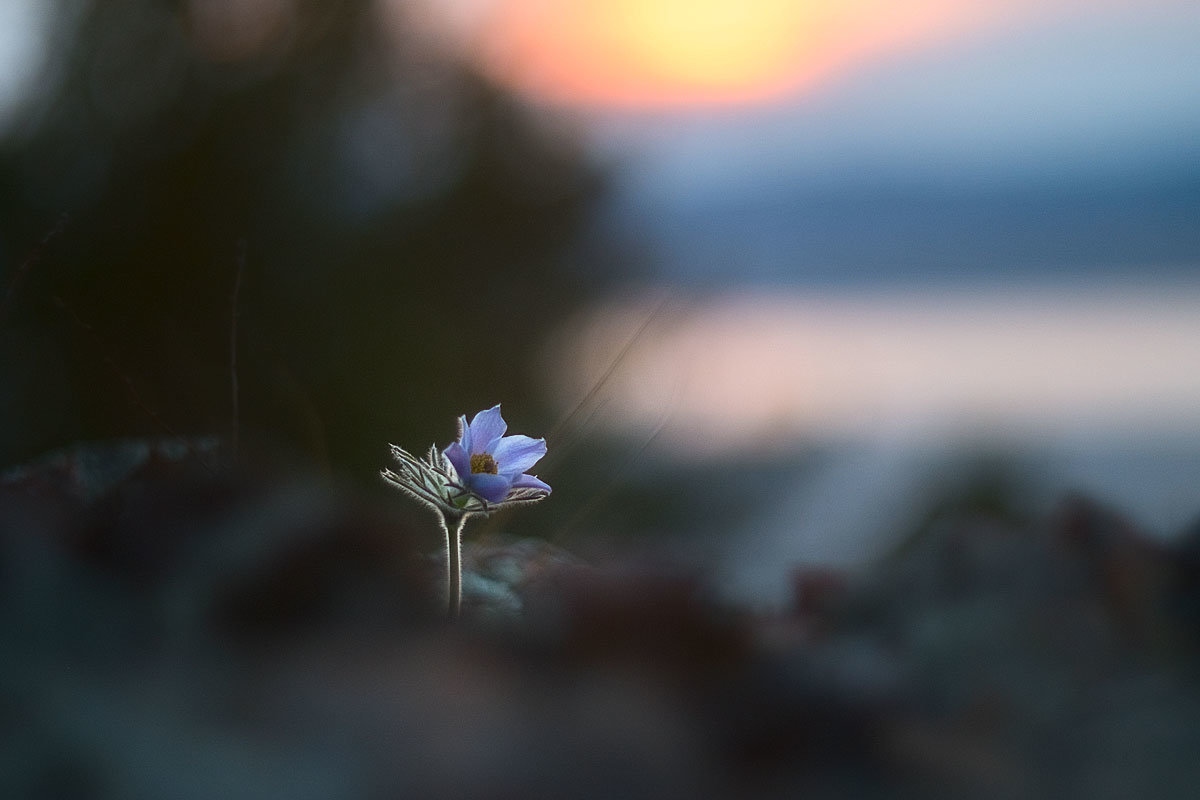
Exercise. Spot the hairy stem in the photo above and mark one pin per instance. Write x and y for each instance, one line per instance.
(452, 525)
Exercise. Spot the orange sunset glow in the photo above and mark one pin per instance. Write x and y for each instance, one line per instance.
(664, 52)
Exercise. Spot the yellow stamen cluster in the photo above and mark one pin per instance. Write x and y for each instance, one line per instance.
(483, 462)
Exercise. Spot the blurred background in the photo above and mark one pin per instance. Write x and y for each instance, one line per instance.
(771, 269)
(823, 308)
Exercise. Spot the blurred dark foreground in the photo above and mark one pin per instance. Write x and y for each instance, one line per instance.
(175, 628)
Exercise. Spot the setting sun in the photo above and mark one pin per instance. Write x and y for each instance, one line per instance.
(669, 52)
(707, 43)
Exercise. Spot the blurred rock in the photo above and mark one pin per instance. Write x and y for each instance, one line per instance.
(177, 628)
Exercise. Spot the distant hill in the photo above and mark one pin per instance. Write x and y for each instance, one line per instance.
(885, 231)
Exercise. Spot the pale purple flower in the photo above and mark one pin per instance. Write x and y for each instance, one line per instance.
(482, 471)
(490, 464)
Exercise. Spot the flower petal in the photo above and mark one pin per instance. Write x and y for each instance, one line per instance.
(530, 482)
(492, 488)
(515, 454)
(486, 428)
(464, 433)
(457, 454)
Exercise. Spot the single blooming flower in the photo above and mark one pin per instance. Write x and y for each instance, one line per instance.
(491, 465)
(481, 471)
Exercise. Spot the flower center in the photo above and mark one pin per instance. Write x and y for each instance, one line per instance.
(483, 462)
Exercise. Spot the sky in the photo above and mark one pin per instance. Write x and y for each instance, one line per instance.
(24, 32)
(872, 141)
(639, 54)
(920, 83)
